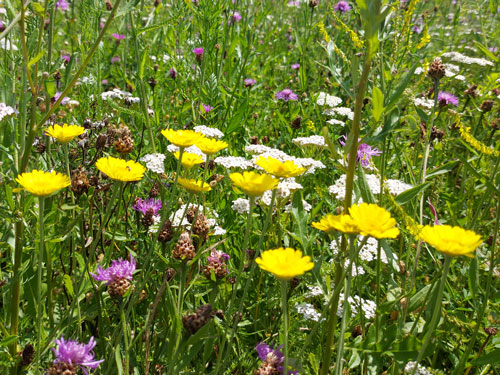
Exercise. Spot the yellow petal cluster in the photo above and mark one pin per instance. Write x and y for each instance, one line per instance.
(373, 220)
(42, 183)
(181, 138)
(253, 184)
(279, 168)
(189, 160)
(120, 170)
(285, 264)
(210, 146)
(194, 186)
(449, 240)
(65, 133)
(342, 223)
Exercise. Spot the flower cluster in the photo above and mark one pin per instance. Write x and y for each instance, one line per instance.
(71, 354)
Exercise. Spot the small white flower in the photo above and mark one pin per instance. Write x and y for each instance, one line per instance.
(328, 100)
(308, 311)
(6, 111)
(233, 162)
(241, 205)
(208, 132)
(314, 291)
(154, 162)
(336, 122)
(396, 187)
(313, 140)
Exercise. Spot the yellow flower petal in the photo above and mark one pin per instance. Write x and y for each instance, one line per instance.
(342, 223)
(453, 241)
(194, 186)
(120, 170)
(279, 168)
(41, 183)
(285, 264)
(253, 184)
(374, 221)
(210, 146)
(189, 160)
(65, 133)
(181, 138)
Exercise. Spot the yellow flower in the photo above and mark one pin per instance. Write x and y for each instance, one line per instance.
(194, 186)
(42, 183)
(278, 168)
(285, 264)
(374, 221)
(342, 223)
(65, 133)
(189, 160)
(253, 184)
(181, 138)
(210, 146)
(453, 241)
(120, 170)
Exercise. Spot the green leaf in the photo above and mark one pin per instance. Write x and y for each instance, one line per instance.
(396, 95)
(118, 360)
(377, 103)
(300, 218)
(50, 87)
(488, 359)
(8, 340)
(37, 7)
(443, 169)
(36, 58)
(364, 188)
(473, 279)
(418, 298)
(68, 284)
(145, 54)
(408, 195)
(486, 51)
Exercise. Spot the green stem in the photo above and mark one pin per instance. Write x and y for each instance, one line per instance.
(435, 314)
(182, 286)
(125, 339)
(39, 284)
(284, 306)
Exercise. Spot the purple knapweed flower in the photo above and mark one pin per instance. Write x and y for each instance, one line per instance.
(417, 29)
(217, 256)
(445, 98)
(198, 51)
(77, 354)
(365, 152)
(342, 6)
(118, 36)
(249, 82)
(115, 59)
(270, 357)
(207, 108)
(286, 95)
(143, 206)
(58, 95)
(294, 3)
(173, 73)
(66, 58)
(104, 82)
(62, 5)
(120, 269)
(235, 16)
(295, 66)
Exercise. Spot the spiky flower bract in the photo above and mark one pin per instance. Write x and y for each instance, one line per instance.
(189, 160)
(120, 170)
(278, 168)
(451, 240)
(65, 133)
(74, 353)
(181, 138)
(42, 183)
(342, 223)
(210, 146)
(285, 263)
(194, 186)
(373, 220)
(254, 184)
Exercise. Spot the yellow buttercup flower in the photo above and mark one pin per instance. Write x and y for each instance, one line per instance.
(279, 168)
(210, 146)
(453, 241)
(285, 264)
(42, 183)
(342, 223)
(120, 170)
(194, 186)
(181, 138)
(65, 133)
(254, 184)
(374, 221)
(189, 160)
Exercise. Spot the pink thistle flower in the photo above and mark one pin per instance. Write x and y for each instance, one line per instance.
(207, 108)
(118, 36)
(249, 82)
(74, 353)
(342, 6)
(286, 95)
(62, 5)
(446, 98)
(119, 269)
(143, 206)
(115, 59)
(295, 66)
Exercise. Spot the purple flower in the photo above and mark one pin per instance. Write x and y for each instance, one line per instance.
(446, 98)
(249, 82)
(217, 257)
(63, 5)
(66, 58)
(207, 108)
(104, 82)
(119, 269)
(286, 95)
(417, 29)
(273, 358)
(115, 59)
(295, 66)
(365, 152)
(143, 206)
(342, 6)
(58, 95)
(235, 16)
(118, 36)
(173, 73)
(294, 3)
(73, 353)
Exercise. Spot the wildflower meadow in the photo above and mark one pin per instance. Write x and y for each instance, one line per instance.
(250, 187)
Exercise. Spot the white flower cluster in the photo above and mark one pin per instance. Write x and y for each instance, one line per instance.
(340, 111)
(308, 311)
(191, 150)
(7, 45)
(460, 58)
(241, 205)
(154, 162)
(6, 111)
(314, 291)
(290, 184)
(156, 224)
(233, 162)
(88, 80)
(424, 103)
(355, 270)
(395, 187)
(115, 94)
(334, 121)
(305, 204)
(283, 191)
(451, 71)
(212, 222)
(313, 140)
(328, 100)
(208, 132)
(421, 370)
(367, 306)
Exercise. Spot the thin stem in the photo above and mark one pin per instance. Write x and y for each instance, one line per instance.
(435, 314)
(125, 338)
(182, 286)
(39, 284)
(284, 306)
